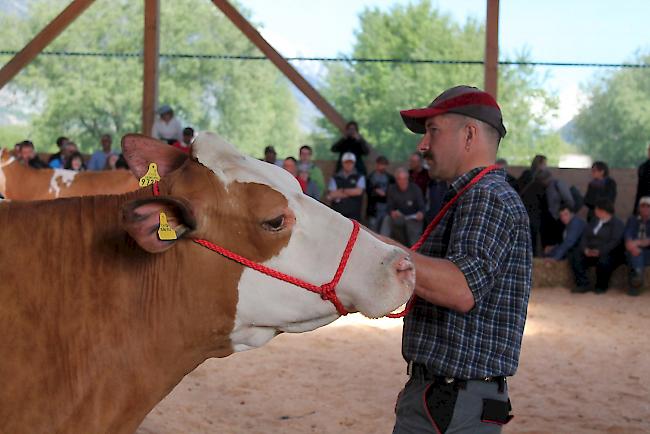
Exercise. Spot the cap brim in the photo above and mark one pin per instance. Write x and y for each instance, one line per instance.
(414, 119)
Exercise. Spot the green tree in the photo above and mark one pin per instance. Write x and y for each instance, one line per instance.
(614, 126)
(248, 102)
(373, 93)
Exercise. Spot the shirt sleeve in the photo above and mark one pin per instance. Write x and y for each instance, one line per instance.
(361, 182)
(631, 231)
(332, 184)
(573, 233)
(480, 239)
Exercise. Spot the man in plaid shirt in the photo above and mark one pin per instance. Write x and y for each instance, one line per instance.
(463, 335)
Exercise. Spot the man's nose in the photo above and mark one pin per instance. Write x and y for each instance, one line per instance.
(424, 144)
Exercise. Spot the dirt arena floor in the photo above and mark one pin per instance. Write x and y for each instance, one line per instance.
(585, 368)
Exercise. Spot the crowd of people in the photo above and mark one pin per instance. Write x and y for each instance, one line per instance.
(399, 205)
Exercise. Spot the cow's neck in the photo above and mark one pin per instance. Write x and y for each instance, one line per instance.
(123, 325)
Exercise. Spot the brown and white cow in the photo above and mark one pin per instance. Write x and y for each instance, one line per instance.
(18, 182)
(99, 319)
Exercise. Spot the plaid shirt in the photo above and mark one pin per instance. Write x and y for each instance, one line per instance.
(487, 236)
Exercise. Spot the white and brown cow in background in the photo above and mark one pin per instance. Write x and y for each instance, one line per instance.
(18, 182)
(100, 319)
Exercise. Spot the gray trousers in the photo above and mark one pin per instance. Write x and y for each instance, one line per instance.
(414, 416)
(405, 231)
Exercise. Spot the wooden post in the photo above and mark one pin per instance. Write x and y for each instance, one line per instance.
(289, 71)
(492, 47)
(42, 40)
(150, 64)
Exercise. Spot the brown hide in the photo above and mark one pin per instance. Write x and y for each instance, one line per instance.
(26, 183)
(94, 331)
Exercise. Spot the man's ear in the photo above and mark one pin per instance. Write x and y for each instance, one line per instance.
(141, 219)
(140, 150)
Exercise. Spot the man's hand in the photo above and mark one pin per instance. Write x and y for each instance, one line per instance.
(395, 214)
(548, 249)
(644, 242)
(419, 216)
(380, 192)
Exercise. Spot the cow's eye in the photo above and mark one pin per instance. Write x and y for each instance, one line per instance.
(274, 224)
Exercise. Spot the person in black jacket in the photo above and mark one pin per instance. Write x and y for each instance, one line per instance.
(601, 246)
(377, 187)
(352, 142)
(528, 176)
(643, 186)
(600, 187)
(27, 156)
(346, 189)
(533, 195)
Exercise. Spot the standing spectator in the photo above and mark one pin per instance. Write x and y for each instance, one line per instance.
(98, 159)
(55, 161)
(503, 163)
(377, 186)
(435, 198)
(557, 193)
(67, 149)
(405, 210)
(643, 186)
(418, 174)
(533, 195)
(27, 156)
(306, 185)
(601, 186)
(528, 175)
(306, 164)
(271, 157)
(185, 145)
(75, 162)
(601, 246)
(637, 245)
(167, 128)
(352, 142)
(574, 228)
(346, 188)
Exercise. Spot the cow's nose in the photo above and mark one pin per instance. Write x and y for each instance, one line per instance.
(405, 271)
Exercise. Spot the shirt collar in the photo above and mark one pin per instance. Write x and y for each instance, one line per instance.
(464, 179)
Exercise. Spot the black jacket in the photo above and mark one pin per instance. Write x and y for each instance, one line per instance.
(643, 186)
(609, 238)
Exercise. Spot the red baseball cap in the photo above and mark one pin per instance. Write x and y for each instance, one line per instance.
(463, 100)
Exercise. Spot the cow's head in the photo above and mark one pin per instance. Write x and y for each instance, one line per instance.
(259, 211)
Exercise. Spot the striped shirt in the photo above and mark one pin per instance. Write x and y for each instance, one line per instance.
(486, 235)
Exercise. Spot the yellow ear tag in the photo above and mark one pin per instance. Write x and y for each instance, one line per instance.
(165, 232)
(151, 176)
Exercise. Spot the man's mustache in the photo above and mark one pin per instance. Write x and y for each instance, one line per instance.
(427, 155)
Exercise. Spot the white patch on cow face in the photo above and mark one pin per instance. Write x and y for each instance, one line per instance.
(3, 179)
(318, 238)
(65, 176)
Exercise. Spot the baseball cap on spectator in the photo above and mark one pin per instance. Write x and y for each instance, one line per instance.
(645, 200)
(463, 100)
(165, 108)
(349, 156)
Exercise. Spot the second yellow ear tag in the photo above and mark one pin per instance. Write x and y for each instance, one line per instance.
(165, 232)
(151, 176)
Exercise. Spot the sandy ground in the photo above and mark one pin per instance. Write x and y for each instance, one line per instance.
(585, 368)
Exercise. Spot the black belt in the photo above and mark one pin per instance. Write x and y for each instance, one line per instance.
(420, 371)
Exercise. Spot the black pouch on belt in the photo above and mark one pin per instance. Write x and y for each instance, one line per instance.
(440, 401)
(496, 412)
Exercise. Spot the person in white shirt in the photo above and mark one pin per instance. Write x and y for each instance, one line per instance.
(167, 127)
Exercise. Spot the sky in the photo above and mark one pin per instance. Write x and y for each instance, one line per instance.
(597, 31)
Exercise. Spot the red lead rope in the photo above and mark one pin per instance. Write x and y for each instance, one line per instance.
(434, 223)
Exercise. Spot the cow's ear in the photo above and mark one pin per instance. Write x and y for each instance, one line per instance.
(141, 219)
(139, 151)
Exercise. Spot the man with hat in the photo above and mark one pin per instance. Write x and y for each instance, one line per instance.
(167, 128)
(462, 336)
(346, 188)
(637, 245)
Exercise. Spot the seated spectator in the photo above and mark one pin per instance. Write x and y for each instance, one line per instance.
(308, 187)
(637, 245)
(270, 156)
(306, 164)
(185, 145)
(352, 142)
(27, 156)
(55, 161)
(167, 128)
(405, 210)
(346, 188)
(418, 174)
(75, 162)
(111, 162)
(98, 159)
(600, 246)
(574, 228)
(601, 186)
(377, 186)
(503, 163)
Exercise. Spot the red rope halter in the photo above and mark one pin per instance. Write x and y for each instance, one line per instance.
(432, 226)
(327, 291)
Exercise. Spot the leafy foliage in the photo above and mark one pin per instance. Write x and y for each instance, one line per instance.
(614, 126)
(249, 103)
